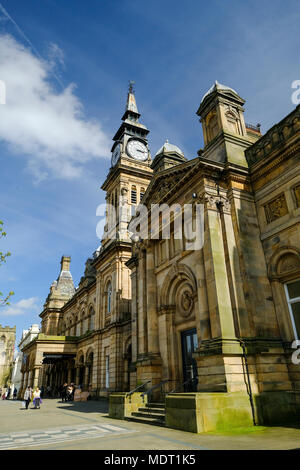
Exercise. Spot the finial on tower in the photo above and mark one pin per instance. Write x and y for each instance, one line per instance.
(131, 83)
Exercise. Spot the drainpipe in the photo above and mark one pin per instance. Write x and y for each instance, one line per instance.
(249, 391)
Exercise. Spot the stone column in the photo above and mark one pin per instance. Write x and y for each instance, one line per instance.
(77, 376)
(152, 320)
(69, 375)
(85, 377)
(219, 301)
(219, 358)
(141, 304)
(134, 319)
(36, 373)
(21, 389)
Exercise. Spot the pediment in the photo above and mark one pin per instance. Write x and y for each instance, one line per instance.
(163, 182)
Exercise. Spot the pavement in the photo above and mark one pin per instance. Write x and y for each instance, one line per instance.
(86, 426)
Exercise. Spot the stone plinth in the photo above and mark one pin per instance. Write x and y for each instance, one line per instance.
(203, 412)
(122, 405)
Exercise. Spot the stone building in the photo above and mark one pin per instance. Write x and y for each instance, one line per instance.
(7, 348)
(16, 376)
(213, 322)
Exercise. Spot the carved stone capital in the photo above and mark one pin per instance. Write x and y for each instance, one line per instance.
(216, 202)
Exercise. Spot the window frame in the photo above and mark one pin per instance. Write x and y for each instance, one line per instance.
(290, 302)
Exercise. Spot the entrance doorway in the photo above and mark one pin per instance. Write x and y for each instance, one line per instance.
(189, 344)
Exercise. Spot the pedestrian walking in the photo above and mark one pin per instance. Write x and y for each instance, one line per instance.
(63, 392)
(8, 393)
(69, 392)
(27, 396)
(73, 391)
(37, 398)
(15, 393)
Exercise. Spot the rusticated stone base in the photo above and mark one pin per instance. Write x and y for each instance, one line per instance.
(278, 407)
(203, 412)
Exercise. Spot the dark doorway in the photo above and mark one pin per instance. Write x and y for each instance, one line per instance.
(189, 343)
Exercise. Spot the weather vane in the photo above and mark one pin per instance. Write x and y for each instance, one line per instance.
(131, 83)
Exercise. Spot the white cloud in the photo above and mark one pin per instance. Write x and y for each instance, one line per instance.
(46, 126)
(22, 307)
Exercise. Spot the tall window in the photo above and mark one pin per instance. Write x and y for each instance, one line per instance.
(133, 195)
(92, 319)
(142, 192)
(292, 290)
(107, 371)
(77, 330)
(109, 294)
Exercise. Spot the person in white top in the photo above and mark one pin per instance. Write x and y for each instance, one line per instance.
(36, 397)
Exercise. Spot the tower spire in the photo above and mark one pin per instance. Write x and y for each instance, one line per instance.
(131, 103)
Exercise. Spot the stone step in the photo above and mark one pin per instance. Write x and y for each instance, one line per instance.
(146, 420)
(153, 410)
(147, 414)
(155, 405)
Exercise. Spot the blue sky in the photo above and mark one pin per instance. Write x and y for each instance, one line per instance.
(66, 94)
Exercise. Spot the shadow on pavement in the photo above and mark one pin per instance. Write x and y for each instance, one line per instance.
(99, 406)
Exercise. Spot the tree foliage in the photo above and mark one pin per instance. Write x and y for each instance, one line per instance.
(4, 300)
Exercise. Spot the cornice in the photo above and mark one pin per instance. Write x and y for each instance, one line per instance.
(274, 160)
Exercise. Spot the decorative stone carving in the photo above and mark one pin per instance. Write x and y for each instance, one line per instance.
(215, 202)
(297, 195)
(274, 137)
(288, 263)
(276, 208)
(184, 298)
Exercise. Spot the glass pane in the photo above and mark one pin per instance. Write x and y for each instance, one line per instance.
(188, 344)
(296, 314)
(294, 289)
(195, 340)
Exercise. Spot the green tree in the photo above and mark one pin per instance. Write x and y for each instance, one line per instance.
(3, 256)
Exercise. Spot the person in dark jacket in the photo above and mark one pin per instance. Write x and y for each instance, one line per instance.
(64, 392)
(27, 396)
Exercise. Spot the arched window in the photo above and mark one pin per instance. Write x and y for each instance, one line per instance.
(142, 192)
(233, 123)
(212, 126)
(109, 295)
(2, 342)
(2, 349)
(92, 319)
(83, 323)
(77, 331)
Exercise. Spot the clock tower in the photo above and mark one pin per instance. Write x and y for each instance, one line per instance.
(130, 172)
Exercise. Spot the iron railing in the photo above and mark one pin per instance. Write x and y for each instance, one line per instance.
(251, 126)
(160, 386)
(137, 388)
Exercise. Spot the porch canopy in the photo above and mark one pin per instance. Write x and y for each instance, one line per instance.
(54, 358)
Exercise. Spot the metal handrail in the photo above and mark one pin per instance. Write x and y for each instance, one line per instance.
(159, 385)
(137, 388)
(182, 384)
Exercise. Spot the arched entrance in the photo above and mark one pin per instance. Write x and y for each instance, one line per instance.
(178, 320)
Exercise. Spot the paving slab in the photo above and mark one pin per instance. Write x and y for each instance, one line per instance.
(86, 426)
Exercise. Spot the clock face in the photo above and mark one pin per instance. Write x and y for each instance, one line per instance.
(116, 154)
(137, 150)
